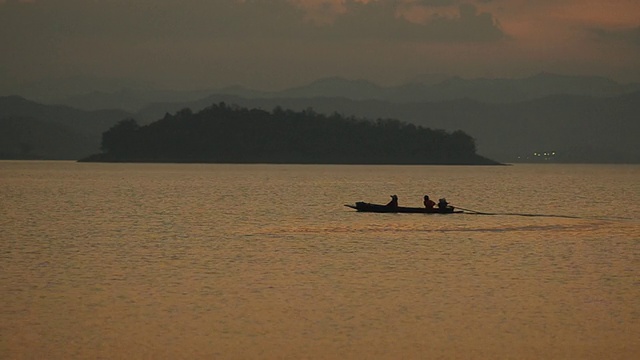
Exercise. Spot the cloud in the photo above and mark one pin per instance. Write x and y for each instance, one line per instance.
(470, 26)
(150, 19)
(286, 19)
(273, 42)
(630, 36)
(436, 3)
(437, 21)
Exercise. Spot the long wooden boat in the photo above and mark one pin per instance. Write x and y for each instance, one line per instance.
(377, 208)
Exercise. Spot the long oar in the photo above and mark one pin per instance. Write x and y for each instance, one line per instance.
(517, 214)
(474, 211)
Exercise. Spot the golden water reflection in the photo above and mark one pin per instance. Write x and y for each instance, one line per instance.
(195, 261)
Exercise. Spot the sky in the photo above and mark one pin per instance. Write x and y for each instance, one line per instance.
(275, 44)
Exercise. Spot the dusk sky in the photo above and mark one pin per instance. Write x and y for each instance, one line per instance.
(274, 44)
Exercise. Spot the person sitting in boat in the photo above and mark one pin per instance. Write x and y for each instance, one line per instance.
(394, 202)
(428, 203)
(443, 204)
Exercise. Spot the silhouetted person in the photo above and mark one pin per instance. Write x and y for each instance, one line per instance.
(428, 203)
(443, 204)
(394, 202)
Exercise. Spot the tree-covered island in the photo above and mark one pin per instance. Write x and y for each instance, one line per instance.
(232, 134)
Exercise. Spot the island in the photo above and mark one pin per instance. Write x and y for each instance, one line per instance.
(223, 133)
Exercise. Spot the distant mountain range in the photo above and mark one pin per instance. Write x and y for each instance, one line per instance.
(223, 133)
(576, 128)
(127, 96)
(571, 119)
(30, 130)
(483, 90)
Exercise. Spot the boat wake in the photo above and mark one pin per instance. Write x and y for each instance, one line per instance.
(618, 218)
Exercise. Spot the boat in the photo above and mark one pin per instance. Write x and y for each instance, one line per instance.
(377, 208)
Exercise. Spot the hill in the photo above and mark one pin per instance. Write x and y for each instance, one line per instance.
(97, 93)
(224, 134)
(581, 129)
(499, 91)
(35, 131)
(577, 128)
(28, 139)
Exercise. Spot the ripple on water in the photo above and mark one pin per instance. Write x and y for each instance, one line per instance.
(224, 261)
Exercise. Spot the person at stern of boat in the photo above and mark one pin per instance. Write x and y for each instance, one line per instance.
(428, 203)
(394, 202)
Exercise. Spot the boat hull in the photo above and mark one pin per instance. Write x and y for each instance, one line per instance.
(377, 208)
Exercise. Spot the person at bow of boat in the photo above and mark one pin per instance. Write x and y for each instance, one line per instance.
(428, 203)
(394, 202)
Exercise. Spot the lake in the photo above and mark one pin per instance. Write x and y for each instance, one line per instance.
(210, 261)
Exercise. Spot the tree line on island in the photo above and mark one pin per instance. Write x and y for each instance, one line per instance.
(231, 134)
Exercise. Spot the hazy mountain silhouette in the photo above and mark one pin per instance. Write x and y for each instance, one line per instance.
(231, 134)
(484, 90)
(129, 99)
(577, 128)
(133, 97)
(28, 138)
(58, 90)
(33, 130)
(582, 119)
(337, 87)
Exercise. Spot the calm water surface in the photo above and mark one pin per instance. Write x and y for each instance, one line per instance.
(124, 261)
